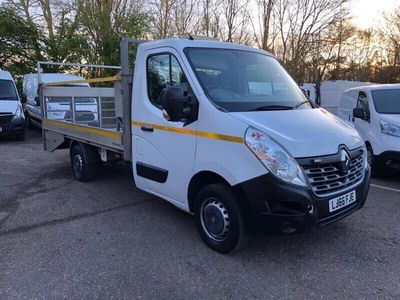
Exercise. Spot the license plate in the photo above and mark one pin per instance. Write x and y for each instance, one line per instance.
(342, 201)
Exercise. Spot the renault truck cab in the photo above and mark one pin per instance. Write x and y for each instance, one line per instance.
(222, 131)
(12, 119)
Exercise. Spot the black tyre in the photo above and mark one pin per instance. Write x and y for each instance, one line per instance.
(28, 121)
(377, 168)
(21, 136)
(220, 219)
(82, 169)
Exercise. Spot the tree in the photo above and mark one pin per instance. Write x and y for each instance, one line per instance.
(19, 49)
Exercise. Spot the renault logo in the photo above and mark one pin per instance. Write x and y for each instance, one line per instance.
(344, 161)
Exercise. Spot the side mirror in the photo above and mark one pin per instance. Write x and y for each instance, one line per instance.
(358, 113)
(23, 98)
(37, 103)
(179, 108)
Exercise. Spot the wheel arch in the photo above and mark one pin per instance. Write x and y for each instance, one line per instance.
(204, 178)
(91, 152)
(369, 145)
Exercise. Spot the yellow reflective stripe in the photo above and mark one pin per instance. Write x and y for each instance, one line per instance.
(105, 133)
(209, 135)
(92, 80)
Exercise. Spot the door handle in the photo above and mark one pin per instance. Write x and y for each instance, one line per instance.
(147, 128)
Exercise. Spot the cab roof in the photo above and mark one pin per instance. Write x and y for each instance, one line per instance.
(5, 75)
(180, 44)
(375, 87)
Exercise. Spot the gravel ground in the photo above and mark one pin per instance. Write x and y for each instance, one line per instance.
(60, 238)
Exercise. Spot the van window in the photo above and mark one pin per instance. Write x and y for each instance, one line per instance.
(237, 80)
(164, 70)
(7, 90)
(387, 101)
(347, 102)
(362, 102)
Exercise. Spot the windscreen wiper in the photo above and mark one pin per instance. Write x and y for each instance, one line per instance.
(302, 103)
(272, 107)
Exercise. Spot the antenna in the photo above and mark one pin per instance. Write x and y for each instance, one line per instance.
(190, 36)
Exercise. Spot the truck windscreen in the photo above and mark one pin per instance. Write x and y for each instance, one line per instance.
(7, 90)
(387, 101)
(237, 80)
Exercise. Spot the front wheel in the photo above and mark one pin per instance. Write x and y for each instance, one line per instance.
(377, 168)
(21, 136)
(220, 219)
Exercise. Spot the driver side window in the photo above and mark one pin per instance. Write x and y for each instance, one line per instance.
(362, 102)
(164, 70)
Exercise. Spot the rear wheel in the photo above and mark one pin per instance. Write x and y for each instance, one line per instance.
(220, 219)
(82, 169)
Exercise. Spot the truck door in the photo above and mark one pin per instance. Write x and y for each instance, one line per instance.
(165, 150)
(363, 125)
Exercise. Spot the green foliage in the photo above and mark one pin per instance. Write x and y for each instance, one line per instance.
(88, 33)
(19, 43)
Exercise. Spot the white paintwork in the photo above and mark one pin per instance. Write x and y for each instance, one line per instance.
(370, 131)
(300, 130)
(6, 75)
(331, 92)
(8, 106)
(303, 133)
(30, 83)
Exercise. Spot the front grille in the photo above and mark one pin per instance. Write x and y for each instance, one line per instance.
(5, 118)
(326, 179)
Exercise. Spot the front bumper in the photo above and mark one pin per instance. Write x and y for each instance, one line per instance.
(15, 127)
(276, 207)
(390, 159)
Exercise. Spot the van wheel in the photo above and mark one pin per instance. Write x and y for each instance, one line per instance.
(377, 169)
(219, 219)
(28, 121)
(83, 171)
(21, 136)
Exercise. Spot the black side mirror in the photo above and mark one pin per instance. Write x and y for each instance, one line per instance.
(23, 98)
(179, 108)
(37, 103)
(358, 113)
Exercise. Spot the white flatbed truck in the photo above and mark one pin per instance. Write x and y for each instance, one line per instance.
(222, 132)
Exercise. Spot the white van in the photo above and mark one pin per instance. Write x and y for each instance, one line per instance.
(375, 112)
(331, 91)
(12, 119)
(88, 112)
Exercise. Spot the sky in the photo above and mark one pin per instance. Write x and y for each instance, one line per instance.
(368, 13)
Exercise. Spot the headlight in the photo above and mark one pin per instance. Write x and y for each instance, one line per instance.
(390, 129)
(274, 157)
(19, 112)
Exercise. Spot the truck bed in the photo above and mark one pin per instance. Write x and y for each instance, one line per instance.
(80, 113)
